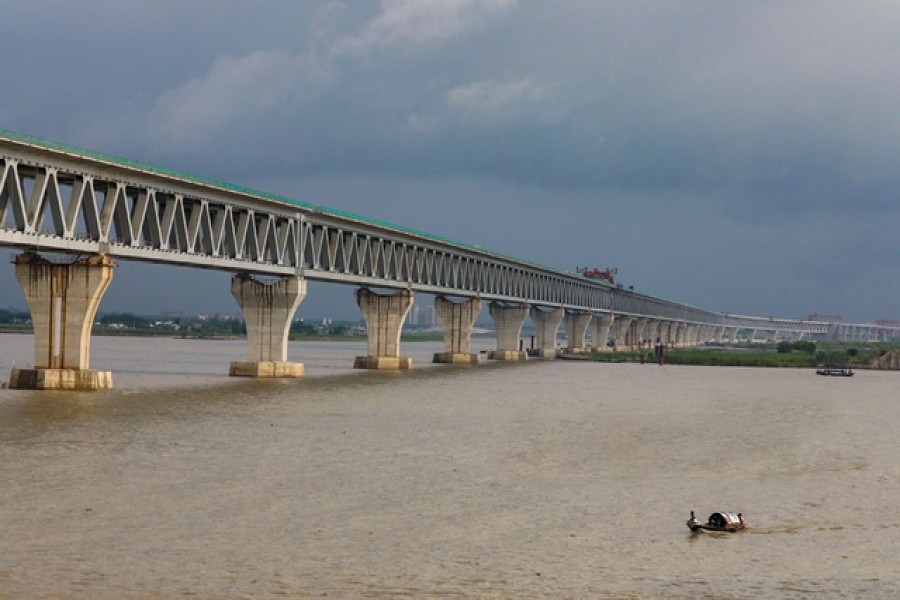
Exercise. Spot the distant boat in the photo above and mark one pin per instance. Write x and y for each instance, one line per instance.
(718, 521)
(835, 372)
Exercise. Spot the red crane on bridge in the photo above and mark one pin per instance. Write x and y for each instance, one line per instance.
(601, 274)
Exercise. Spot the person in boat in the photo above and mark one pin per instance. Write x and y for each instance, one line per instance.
(741, 519)
(693, 520)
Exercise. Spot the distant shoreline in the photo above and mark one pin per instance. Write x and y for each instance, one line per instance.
(715, 357)
(105, 332)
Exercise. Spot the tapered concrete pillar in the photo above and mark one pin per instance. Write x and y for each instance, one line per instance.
(601, 325)
(63, 299)
(508, 321)
(671, 333)
(457, 319)
(639, 328)
(546, 325)
(704, 334)
(662, 334)
(731, 335)
(576, 326)
(751, 335)
(268, 309)
(651, 332)
(718, 334)
(693, 335)
(623, 326)
(384, 315)
(681, 335)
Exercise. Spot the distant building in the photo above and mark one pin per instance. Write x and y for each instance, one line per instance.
(422, 316)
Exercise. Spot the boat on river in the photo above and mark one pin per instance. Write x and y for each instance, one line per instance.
(718, 521)
(835, 372)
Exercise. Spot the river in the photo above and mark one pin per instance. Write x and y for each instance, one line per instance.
(551, 479)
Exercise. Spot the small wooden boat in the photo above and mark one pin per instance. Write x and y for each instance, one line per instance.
(718, 521)
(835, 372)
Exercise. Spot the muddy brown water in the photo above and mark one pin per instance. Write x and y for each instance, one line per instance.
(538, 480)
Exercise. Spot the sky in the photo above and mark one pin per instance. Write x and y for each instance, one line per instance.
(736, 156)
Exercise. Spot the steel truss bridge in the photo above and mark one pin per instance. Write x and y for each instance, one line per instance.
(60, 199)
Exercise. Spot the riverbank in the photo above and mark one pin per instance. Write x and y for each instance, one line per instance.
(835, 355)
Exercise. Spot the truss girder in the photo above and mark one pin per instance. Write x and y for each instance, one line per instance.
(57, 204)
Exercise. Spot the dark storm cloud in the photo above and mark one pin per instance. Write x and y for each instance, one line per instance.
(689, 142)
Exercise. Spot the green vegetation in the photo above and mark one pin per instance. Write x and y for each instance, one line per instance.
(209, 327)
(10, 316)
(801, 346)
(785, 354)
(15, 321)
(715, 357)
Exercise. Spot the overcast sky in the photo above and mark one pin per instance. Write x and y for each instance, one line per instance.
(738, 156)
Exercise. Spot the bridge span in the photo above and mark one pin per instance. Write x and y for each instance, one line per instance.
(91, 208)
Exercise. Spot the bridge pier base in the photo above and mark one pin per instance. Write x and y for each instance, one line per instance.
(63, 300)
(457, 318)
(267, 310)
(508, 321)
(384, 315)
(546, 324)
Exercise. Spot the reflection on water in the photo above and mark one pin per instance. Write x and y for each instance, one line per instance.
(546, 479)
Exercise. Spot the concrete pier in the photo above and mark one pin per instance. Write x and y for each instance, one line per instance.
(576, 326)
(508, 321)
(671, 333)
(601, 325)
(384, 315)
(640, 327)
(692, 335)
(622, 330)
(268, 310)
(457, 319)
(63, 299)
(546, 325)
(718, 334)
(731, 334)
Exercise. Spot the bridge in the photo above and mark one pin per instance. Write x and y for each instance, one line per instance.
(73, 212)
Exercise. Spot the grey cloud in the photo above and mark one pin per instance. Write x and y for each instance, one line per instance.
(416, 22)
(685, 141)
(663, 107)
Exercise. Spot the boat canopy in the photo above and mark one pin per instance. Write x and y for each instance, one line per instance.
(724, 519)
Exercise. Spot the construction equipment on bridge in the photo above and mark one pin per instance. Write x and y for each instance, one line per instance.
(601, 274)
